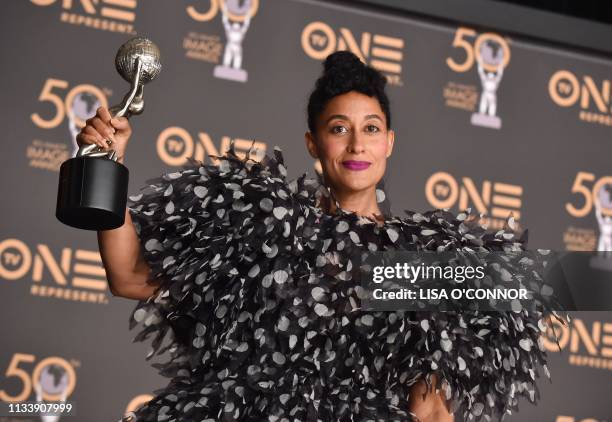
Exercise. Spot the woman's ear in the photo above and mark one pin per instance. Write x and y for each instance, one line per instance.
(311, 145)
(390, 141)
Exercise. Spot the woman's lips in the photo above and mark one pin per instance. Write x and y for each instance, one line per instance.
(356, 165)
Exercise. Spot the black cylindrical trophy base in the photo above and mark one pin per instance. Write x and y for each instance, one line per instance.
(92, 193)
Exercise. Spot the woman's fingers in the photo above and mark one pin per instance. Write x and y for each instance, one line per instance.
(86, 139)
(104, 129)
(99, 131)
(122, 125)
(104, 114)
(100, 140)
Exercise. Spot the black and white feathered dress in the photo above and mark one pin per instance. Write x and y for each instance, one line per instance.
(259, 319)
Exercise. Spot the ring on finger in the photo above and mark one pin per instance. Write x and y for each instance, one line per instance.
(109, 142)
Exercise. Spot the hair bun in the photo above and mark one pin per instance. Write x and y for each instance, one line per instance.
(342, 60)
(344, 72)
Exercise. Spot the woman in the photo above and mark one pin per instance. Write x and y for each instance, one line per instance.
(251, 276)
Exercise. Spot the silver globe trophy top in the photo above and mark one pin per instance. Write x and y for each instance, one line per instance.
(137, 61)
(138, 48)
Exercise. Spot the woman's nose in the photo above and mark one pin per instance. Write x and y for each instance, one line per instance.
(356, 144)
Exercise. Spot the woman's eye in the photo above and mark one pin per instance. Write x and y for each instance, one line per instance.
(372, 128)
(338, 129)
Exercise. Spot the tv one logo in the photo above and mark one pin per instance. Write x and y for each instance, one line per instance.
(107, 15)
(495, 200)
(77, 274)
(175, 146)
(592, 98)
(589, 344)
(382, 52)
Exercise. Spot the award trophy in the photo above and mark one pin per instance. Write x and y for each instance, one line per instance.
(92, 192)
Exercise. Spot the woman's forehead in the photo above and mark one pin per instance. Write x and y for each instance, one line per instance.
(353, 105)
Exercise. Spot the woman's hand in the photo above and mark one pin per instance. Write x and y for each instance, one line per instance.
(106, 132)
(428, 405)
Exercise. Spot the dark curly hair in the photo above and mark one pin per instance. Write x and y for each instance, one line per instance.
(344, 72)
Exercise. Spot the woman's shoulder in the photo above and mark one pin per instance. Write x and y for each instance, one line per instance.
(443, 229)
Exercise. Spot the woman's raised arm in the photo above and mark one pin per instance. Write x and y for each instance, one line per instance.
(126, 270)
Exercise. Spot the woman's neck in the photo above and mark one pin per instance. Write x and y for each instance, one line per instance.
(362, 203)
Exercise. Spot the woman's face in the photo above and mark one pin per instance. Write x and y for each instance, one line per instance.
(352, 142)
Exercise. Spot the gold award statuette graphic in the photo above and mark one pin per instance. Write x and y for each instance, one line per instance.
(92, 192)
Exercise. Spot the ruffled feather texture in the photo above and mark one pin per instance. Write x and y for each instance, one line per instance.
(259, 314)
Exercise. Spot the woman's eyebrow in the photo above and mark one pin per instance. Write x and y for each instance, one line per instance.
(344, 117)
(336, 116)
(373, 116)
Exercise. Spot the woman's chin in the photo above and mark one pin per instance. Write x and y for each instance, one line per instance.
(356, 184)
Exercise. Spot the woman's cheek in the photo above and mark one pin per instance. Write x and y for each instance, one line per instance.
(380, 170)
(334, 151)
(382, 149)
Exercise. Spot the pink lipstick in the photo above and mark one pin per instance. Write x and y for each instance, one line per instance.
(356, 165)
